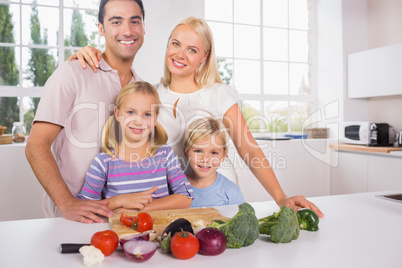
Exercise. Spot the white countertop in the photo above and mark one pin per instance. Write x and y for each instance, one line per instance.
(358, 230)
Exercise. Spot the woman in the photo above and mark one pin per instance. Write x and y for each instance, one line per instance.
(192, 88)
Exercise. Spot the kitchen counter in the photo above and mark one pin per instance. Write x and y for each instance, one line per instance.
(358, 230)
(364, 148)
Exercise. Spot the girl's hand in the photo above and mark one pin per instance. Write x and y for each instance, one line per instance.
(136, 200)
(88, 55)
(298, 202)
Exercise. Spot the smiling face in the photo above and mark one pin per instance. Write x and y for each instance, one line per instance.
(185, 53)
(137, 117)
(123, 29)
(206, 156)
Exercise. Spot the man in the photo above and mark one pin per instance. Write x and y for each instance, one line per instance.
(75, 105)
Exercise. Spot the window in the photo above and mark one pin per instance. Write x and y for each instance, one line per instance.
(264, 50)
(35, 36)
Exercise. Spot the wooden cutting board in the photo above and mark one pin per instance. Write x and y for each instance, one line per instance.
(162, 218)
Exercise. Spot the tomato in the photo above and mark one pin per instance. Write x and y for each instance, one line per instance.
(127, 220)
(107, 241)
(144, 222)
(184, 245)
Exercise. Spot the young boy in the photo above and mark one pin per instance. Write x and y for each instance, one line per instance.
(205, 146)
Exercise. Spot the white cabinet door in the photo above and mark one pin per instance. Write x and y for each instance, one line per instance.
(350, 176)
(375, 72)
(384, 173)
(20, 192)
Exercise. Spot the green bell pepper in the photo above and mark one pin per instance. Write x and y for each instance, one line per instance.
(308, 220)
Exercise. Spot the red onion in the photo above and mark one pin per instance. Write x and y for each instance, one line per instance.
(212, 241)
(141, 236)
(139, 250)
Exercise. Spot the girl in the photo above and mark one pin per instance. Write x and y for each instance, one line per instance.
(136, 169)
(192, 87)
(206, 146)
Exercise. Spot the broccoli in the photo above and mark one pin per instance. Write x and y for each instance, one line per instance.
(282, 226)
(242, 229)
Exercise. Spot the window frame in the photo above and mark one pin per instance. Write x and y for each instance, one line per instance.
(21, 91)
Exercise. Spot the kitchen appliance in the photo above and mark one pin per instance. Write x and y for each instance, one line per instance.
(399, 139)
(367, 133)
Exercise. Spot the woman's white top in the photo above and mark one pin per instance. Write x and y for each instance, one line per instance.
(178, 111)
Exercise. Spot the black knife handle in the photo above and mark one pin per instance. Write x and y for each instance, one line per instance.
(71, 247)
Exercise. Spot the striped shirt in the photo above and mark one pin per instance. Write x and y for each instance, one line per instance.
(107, 177)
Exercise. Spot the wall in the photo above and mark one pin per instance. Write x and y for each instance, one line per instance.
(329, 58)
(355, 38)
(369, 24)
(341, 29)
(345, 27)
(384, 24)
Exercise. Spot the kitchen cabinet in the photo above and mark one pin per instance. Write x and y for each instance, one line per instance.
(20, 192)
(375, 72)
(384, 173)
(350, 175)
(358, 172)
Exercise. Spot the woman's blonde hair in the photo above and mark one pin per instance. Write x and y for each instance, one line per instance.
(207, 73)
(111, 135)
(203, 129)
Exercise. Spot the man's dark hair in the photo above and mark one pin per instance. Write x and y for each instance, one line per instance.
(101, 13)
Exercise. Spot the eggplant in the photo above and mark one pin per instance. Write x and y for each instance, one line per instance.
(176, 226)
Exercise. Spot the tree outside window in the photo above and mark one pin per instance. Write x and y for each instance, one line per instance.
(27, 63)
(9, 74)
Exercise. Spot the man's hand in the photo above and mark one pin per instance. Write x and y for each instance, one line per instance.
(297, 202)
(86, 211)
(88, 55)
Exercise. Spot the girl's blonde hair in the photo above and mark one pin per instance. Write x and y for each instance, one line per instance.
(111, 135)
(203, 129)
(207, 73)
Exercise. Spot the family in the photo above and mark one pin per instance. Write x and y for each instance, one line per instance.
(104, 141)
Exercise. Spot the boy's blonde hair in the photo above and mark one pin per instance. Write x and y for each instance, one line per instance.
(203, 129)
(111, 135)
(207, 73)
